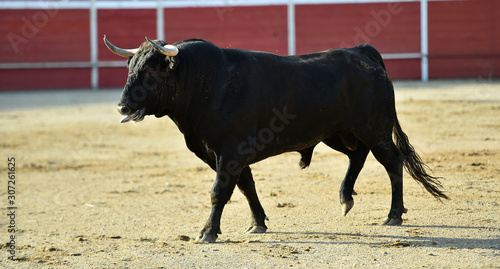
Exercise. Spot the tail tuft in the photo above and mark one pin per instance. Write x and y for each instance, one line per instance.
(415, 166)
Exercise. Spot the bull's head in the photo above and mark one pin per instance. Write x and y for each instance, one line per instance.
(148, 70)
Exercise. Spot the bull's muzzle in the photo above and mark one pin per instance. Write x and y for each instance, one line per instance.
(124, 110)
(130, 115)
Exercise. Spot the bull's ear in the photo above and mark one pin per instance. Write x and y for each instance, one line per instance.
(172, 62)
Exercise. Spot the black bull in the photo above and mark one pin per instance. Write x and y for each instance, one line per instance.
(237, 107)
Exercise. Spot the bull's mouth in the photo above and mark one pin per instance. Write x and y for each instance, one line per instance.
(136, 116)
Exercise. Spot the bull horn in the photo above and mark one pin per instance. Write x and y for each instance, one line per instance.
(127, 53)
(168, 50)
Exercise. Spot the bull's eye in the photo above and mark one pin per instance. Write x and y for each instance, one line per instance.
(138, 94)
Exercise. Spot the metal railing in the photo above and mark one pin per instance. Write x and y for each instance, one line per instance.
(93, 5)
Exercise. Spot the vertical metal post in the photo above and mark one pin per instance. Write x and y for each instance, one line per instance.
(291, 27)
(424, 46)
(160, 29)
(94, 73)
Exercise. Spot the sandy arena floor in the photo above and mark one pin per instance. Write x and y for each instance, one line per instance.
(93, 193)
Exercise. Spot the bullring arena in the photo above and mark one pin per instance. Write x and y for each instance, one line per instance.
(93, 193)
(81, 190)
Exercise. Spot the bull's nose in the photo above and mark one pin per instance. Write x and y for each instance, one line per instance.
(124, 110)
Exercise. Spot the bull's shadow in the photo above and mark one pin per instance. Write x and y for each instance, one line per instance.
(404, 240)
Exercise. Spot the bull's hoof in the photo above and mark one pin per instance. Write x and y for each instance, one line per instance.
(393, 221)
(346, 207)
(256, 230)
(205, 239)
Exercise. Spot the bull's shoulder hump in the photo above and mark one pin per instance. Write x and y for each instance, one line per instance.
(366, 49)
(191, 41)
(366, 53)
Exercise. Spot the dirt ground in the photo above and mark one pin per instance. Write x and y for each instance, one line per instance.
(93, 193)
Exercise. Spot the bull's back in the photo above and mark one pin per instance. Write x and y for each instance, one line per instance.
(321, 75)
(304, 99)
(324, 84)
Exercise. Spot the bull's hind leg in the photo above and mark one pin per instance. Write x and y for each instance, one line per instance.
(246, 185)
(357, 158)
(392, 159)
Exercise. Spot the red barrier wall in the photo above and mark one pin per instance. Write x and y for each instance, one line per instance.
(389, 27)
(49, 78)
(262, 28)
(41, 37)
(464, 37)
(125, 28)
(44, 36)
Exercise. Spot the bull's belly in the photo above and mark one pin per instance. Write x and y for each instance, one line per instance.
(267, 145)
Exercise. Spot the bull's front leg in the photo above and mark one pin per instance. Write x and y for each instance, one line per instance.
(228, 173)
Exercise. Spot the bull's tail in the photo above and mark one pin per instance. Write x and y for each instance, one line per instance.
(415, 166)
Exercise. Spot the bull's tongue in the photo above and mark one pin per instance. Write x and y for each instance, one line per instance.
(125, 119)
(138, 115)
